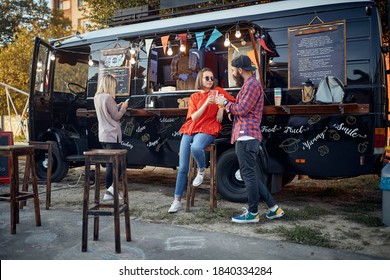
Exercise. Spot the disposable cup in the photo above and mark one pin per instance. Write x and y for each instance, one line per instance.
(214, 94)
(278, 96)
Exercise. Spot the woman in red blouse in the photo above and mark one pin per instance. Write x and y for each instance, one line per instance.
(202, 126)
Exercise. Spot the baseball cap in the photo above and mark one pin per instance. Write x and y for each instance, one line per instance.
(244, 62)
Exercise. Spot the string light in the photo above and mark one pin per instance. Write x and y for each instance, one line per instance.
(132, 50)
(169, 52)
(132, 60)
(227, 41)
(238, 32)
(182, 47)
(90, 61)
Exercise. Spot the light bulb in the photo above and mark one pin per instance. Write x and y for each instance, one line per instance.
(182, 47)
(90, 61)
(238, 33)
(132, 50)
(132, 60)
(227, 41)
(39, 64)
(52, 57)
(243, 42)
(170, 52)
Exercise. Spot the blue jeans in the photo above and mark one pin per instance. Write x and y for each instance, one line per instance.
(248, 156)
(109, 177)
(199, 142)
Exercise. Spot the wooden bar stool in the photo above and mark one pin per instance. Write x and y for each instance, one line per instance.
(97, 157)
(15, 196)
(210, 185)
(46, 146)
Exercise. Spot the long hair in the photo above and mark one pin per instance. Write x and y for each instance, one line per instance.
(107, 84)
(199, 78)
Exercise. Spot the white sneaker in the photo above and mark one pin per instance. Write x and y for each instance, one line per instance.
(175, 206)
(198, 179)
(109, 195)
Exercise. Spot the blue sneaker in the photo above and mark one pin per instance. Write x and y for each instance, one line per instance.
(246, 217)
(275, 214)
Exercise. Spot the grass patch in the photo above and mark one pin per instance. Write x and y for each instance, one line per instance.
(359, 207)
(305, 235)
(219, 214)
(307, 213)
(263, 230)
(366, 220)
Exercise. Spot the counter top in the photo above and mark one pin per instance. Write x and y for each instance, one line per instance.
(312, 109)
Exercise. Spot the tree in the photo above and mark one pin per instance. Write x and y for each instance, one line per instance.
(15, 57)
(20, 14)
(99, 11)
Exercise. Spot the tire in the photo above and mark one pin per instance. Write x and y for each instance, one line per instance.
(60, 167)
(229, 181)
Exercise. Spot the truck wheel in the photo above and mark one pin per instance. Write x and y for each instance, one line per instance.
(229, 181)
(60, 168)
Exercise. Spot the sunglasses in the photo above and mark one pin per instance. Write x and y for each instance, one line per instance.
(209, 78)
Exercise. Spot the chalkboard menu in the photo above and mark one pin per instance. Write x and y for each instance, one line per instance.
(316, 51)
(117, 63)
(6, 139)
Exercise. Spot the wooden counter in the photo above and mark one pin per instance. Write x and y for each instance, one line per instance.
(315, 109)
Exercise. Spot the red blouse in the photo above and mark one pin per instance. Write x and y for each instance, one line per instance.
(207, 123)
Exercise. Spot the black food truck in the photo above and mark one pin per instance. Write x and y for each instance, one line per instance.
(289, 42)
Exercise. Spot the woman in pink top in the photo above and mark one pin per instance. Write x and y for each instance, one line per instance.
(109, 113)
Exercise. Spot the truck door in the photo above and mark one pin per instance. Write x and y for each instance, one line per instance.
(40, 109)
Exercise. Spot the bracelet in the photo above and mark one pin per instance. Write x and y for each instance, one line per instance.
(221, 107)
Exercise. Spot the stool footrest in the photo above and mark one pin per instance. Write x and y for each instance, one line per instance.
(96, 211)
(19, 197)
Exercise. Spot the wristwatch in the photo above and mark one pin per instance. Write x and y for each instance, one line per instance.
(225, 102)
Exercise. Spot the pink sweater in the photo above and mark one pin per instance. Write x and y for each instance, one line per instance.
(108, 114)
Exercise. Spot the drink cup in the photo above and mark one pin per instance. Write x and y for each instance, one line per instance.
(278, 96)
(214, 94)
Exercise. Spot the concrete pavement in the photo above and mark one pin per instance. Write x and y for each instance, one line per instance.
(59, 238)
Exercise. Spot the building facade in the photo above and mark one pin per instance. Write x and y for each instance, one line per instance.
(73, 10)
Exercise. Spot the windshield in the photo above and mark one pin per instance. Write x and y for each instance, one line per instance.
(69, 70)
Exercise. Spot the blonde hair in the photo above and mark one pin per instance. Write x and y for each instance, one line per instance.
(199, 78)
(107, 84)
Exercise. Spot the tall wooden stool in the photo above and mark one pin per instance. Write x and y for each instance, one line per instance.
(97, 157)
(46, 146)
(210, 185)
(15, 196)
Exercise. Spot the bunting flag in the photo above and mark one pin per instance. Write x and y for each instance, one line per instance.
(252, 56)
(148, 45)
(214, 36)
(199, 38)
(183, 38)
(263, 44)
(164, 42)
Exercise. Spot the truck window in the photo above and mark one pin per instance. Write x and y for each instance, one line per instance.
(163, 72)
(42, 72)
(70, 70)
(138, 83)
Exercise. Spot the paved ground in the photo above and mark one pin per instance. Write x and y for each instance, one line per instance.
(59, 238)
